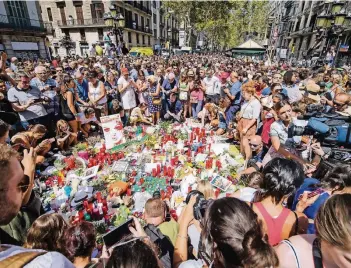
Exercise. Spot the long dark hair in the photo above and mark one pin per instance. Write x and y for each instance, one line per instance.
(233, 237)
(288, 78)
(134, 254)
(281, 178)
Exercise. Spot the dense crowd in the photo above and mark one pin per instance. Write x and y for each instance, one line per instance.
(285, 119)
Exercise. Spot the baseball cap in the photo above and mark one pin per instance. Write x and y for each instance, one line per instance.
(124, 71)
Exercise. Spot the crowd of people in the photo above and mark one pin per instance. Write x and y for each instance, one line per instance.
(288, 215)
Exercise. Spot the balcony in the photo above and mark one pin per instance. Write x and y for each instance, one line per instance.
(288, 3)
(17, 24)
(133, 26)
(139, 6)
(73, 23)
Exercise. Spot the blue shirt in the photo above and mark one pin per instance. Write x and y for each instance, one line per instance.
(235, 90)
(311, 211)
(83, 89)
(267, 91)
(169, 86)
(134, 74)
(53, 106)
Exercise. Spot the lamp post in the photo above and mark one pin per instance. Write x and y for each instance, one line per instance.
(115, 21)
(333, 24)
(169, 32)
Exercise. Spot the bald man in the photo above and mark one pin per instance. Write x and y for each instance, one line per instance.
(341, 102)
(253, 150)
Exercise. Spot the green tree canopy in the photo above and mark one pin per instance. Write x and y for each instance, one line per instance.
(224, 22)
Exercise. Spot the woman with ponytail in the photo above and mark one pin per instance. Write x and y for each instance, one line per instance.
(281, 178)
(231, 237)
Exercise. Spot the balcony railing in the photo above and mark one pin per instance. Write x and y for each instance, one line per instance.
(24, 24)
(81, 22)
(133, 26)
(139, 6)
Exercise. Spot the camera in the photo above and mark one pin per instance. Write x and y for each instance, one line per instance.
(314, 108)
(200, 205)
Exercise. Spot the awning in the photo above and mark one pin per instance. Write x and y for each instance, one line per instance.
(24, 46)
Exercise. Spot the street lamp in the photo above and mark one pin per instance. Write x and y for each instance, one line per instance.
(340, 18)
(169, 32)
(115, 21)
(336, 7)
(322, 20)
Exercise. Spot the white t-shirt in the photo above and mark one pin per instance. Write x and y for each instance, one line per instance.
(251, 109)
(128, 95)
(83, 120)
(212, 85)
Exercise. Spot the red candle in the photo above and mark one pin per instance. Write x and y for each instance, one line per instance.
(217, 192)
(165, 171)
(80, 214)
(98, 197)
(158, 169)
(169, 172)
(154, 172)
(129, 191)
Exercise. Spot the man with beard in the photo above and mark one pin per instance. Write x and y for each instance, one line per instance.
(15, 183)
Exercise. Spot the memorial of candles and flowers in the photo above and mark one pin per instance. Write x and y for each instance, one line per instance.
(107, 184)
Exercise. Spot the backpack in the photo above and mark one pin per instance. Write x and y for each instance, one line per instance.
(164, 244)
(21, 259)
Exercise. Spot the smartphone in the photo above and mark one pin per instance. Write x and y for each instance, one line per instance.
(117, 234)
(312, 194)
(38, 100)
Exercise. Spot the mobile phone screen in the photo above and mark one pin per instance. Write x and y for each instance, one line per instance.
(117, 234)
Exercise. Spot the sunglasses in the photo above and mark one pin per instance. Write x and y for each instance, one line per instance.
(23, 185)
(252, 145)
(338, 104)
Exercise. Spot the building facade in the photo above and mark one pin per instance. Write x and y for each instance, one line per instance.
(294, 29)
(22, 30)
(83, 22)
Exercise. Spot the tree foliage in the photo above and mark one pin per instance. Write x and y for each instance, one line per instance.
(224, 22)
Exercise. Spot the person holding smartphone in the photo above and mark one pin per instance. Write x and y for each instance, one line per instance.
(30, 138)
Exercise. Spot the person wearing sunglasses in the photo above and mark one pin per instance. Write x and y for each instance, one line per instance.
(15, 192)
(254, 153)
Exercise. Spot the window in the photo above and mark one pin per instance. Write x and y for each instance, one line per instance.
(53, 33)
(149, 41)
(155, 33)
(66, 32)
(143, 39)
(142, 22)
(80, 17)
(82, 34)
(100, 34)
(129, 37)
(137, 37)
(18, 13)
(155, 18)
(63, 15)
(49, 14)
(97, 10)
(148, 23)
(154, 3)
(136, 19)
(17, 9)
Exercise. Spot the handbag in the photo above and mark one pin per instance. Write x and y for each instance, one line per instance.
(156, 101)
(183, 95)
(194, 99)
